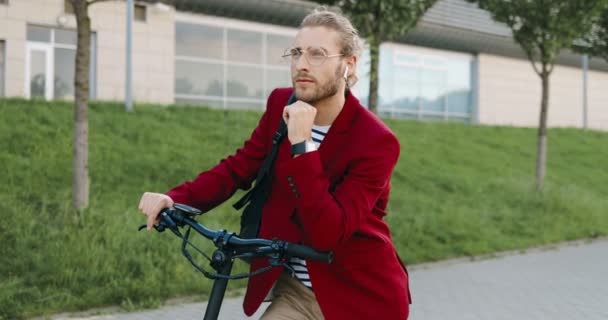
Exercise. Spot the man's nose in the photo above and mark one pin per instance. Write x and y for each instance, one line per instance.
(302, 63)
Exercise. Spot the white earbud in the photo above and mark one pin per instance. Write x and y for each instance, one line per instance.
(346, 73)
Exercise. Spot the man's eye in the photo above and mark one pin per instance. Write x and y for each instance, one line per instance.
(296, 52)
(317, 54)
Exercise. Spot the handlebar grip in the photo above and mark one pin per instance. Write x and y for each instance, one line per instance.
(305, 252)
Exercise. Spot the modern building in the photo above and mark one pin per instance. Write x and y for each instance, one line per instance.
(456, 65)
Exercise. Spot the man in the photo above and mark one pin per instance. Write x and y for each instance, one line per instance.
(329, 190)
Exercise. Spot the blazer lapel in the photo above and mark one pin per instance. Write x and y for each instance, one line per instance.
(336, 138)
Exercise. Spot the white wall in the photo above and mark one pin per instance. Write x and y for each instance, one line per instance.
(598, 100)
(153, 47)
(510, 93)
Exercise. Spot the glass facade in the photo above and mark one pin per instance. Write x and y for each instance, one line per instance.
(419, 83)
(425, 84)
(38, 74)
(52, 55)
(63, 86)
(228, 67)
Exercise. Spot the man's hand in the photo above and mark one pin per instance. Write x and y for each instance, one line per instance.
(151, 204)
(299, 117)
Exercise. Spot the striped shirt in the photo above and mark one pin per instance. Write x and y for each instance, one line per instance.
(299, 265)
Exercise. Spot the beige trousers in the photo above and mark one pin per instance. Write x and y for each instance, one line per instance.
(292, 301)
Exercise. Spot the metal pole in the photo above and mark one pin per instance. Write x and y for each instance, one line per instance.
(128, 81)
(475, 89)
(585, 69)
(217, 292)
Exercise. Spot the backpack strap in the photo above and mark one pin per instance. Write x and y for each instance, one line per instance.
(258, 194)
(267, 165)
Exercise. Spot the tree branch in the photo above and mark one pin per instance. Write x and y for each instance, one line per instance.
(551, 65)
(531, 59)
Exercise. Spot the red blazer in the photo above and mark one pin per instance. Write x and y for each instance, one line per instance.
(331, 199)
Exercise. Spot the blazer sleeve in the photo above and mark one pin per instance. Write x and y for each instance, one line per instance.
(330, 219)
(212, 187)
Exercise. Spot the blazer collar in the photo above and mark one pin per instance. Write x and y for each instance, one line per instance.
(346, 116)
(335, 140)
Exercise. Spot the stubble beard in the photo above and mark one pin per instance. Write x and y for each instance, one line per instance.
(322, 90)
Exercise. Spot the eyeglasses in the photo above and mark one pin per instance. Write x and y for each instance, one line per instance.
(314, 55)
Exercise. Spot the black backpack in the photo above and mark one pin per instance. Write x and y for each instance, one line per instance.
(255, 198)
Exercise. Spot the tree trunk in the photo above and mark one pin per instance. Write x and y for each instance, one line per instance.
(374, 48)
(80, 195)
(542, 131)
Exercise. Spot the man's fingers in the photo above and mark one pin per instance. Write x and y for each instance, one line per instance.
(141, 202)
(151, 204)
(150, 222)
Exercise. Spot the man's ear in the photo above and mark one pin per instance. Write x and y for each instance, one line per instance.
(351, 63)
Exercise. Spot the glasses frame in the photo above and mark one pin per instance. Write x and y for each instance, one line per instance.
(304, 52)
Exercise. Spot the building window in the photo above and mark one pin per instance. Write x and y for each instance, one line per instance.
(50, 63)
(425, 84)
(228, 67)
(39, 34)
(139, 12)
(2, 66)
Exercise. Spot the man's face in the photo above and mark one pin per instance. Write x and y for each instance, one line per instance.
(313, 82)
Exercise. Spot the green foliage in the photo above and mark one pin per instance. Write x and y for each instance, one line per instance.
(457, 190)
(382, 20)
(544, 27)
(596, 41)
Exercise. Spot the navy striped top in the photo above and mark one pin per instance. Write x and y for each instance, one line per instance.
(299, 265)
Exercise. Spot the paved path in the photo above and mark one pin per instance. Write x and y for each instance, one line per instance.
(569, 283)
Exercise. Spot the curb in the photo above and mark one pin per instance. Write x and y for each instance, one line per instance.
(503, 254)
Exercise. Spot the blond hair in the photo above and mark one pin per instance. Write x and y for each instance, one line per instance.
(348, 40)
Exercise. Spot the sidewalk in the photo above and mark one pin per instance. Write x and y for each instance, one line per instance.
(568, 282)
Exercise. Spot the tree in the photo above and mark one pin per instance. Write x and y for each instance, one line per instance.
(596, 41)
(543, 28)
(80, 184)
(379, 21)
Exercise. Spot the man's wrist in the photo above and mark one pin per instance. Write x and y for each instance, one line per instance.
(302, 147)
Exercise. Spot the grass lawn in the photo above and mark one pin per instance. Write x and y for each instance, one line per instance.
(457, 190)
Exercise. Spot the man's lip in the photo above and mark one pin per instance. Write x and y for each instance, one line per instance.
(304, 80)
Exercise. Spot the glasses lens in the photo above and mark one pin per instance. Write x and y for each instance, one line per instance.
(316, 56)
(292, 54)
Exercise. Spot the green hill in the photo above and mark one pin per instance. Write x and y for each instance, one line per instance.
(458, 190)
